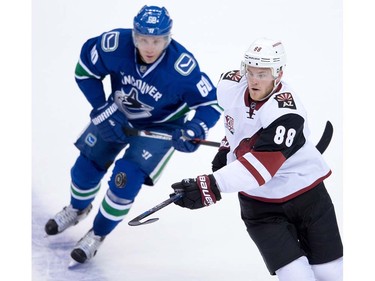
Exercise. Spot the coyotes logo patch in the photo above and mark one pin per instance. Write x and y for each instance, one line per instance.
(233, 75)
(285, 100)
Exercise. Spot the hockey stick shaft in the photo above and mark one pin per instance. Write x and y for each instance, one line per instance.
(321, 146)
(137, 220)
(164, 136)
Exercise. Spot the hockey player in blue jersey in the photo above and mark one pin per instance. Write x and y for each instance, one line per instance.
(155, 83)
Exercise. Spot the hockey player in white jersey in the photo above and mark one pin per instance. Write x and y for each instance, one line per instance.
(267, 158)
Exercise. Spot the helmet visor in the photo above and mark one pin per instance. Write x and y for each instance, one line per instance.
(259, 73)
(141, 41)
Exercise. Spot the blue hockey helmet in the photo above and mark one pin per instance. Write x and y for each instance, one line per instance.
(153, 21)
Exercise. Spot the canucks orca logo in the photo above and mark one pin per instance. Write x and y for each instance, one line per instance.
(131, 105)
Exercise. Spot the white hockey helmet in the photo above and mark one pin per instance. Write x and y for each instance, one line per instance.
(265, 53)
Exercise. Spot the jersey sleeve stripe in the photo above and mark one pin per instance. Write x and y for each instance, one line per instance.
(234, 177)
(272, 161)
(208, 103)
(82, 71)
(258, 165)
(252, 170)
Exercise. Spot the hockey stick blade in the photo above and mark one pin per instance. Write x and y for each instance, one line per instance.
(163, 136)
(137, 220)
(326, 138)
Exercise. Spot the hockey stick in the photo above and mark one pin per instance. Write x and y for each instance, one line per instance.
(325, 138)
(321, 146)
(162, 136)
(137, 220)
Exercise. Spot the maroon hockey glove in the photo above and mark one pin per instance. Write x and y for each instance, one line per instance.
(198, 193)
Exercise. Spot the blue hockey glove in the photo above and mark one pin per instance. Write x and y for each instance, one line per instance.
(198, 193)
(110, 122)
(181, 138)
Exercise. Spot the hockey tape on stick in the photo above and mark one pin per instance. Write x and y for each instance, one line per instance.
(157, 135)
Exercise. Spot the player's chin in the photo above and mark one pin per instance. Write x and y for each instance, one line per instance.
(150, 59)
(255, 94)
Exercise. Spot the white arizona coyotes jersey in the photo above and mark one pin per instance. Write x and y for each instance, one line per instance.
(270, 157)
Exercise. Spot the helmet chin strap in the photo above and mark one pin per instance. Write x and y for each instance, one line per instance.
(275, 85)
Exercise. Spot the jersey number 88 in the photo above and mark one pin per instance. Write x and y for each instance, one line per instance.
(282, 135)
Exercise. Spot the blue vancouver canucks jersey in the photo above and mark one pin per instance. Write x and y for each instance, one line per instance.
(148, 94)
